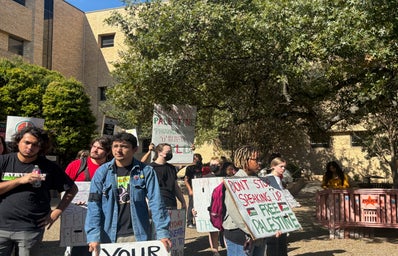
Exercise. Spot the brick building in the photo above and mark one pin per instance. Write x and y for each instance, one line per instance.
(58, 36)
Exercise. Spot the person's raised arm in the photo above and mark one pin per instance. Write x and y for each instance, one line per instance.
(145, 157)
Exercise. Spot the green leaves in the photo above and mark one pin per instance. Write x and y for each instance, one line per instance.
(29, 90)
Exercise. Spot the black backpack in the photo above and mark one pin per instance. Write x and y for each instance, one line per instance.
(83, 168)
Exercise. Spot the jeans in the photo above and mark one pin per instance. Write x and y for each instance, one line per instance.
(234, 249)
(258, 248)
(26, 242)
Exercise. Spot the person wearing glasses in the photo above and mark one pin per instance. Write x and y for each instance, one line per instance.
(237, 238)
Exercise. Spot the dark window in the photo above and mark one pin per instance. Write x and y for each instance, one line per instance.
(102, 93)
(15, 45)
(107, 40)
(357, 139)
(320, 141)
(22, 2)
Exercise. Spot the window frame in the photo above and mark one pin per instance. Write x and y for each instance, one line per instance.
(21, 2)
(16, 48)
(107, 37)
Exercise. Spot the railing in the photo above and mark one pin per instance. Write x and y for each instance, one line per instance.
(343, 211)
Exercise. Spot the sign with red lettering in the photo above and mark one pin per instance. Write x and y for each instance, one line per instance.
(175, 125)
(263, 208)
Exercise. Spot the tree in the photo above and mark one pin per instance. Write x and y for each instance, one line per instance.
(259, 71)
(66, 108)
(29, 90)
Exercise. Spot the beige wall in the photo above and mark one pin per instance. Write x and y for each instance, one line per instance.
(23, 22)
(68, 40)
(99, 61)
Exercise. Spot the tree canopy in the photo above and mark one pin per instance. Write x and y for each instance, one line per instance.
(33, 91)
(259, 72)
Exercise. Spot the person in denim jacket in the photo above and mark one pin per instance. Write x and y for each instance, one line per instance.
(117, 208)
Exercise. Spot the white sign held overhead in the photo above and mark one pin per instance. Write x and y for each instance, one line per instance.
(175, 125)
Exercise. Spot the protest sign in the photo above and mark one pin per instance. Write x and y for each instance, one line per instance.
(202, 190)
(73, 218)
(147, 248)
(263, 208)
(175, 126)
(271, 180)
(17, 123)
(108, 125)
(177, 231)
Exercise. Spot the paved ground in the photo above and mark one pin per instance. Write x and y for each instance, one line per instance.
(313, 240)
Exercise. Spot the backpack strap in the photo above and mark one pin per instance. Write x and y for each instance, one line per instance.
(83, 167)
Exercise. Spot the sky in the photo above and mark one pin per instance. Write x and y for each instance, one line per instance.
(94, 5)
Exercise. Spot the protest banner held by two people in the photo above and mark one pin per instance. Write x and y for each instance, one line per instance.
(264, 208)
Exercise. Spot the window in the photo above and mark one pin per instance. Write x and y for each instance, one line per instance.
(357, 139)
(15, 45)
(107, 40)
(102, 93)
(320, 141)
(21, 2)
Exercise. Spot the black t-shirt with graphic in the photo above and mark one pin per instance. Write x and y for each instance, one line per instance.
(23, 206)
(124, 224)
(167, 178)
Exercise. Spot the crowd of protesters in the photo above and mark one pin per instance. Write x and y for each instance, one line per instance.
(145, 191)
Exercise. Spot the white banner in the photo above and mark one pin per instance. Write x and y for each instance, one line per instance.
(175, 126)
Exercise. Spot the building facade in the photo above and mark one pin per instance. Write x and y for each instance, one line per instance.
(60, 37)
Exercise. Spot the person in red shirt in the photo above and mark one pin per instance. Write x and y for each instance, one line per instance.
(98, 154)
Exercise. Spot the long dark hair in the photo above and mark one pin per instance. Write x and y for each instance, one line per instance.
(329, 173)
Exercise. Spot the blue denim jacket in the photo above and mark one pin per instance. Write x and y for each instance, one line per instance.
(102, 212)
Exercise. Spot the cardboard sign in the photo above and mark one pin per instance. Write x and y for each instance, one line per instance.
(175, 126)
(17, 123)
(263, 208)
(202, 190)
(72, 219)
(147, 248)
(271, 180)
(177, 231)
